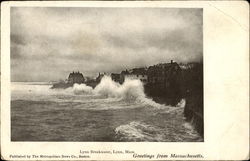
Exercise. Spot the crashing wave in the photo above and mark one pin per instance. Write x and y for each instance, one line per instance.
(82, 89)
(131, 90)
(138, 131)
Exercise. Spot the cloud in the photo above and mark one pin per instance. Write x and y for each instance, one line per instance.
(54, 41)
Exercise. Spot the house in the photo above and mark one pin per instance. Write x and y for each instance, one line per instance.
(75, 77)
(164, 80)
(163, 73)
(116, 77)
(136, 73)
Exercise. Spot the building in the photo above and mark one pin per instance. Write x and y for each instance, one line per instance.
(163, 73)
(75, 77)
(164, 80)
(136, 73)
(116, 77)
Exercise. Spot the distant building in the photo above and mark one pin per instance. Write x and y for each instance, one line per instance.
(164, 78)
(116, 77)
(162, 73)
(75, 77)
(136, 73)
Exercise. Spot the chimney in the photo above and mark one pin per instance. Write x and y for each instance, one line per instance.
(171, 61)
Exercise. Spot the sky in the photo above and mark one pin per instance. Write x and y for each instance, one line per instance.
(48, 43)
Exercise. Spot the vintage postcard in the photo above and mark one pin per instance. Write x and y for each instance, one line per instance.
(125, 80)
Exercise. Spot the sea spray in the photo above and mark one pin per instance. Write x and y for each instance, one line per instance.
(138, 131)
(131, 90)
(32, 91)
(182, 103)
(30, 88)
(107, 87)
(82, 89)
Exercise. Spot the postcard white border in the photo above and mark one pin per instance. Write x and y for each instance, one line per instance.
(226, 87)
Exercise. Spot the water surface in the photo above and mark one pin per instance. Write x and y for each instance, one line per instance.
(110, 112)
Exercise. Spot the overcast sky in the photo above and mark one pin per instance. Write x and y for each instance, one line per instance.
(48, 43)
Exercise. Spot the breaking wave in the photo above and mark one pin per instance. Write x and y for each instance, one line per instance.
(82, 89)
(138, 131)
(131, 90)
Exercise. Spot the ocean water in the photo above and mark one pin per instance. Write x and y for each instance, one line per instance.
(110, 112)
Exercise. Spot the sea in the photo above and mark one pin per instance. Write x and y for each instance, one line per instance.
(110, 112)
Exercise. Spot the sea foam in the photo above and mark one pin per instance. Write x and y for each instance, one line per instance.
(131, 90)
(138, 131)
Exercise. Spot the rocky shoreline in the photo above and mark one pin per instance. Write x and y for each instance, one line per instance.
(188, 85)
